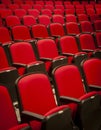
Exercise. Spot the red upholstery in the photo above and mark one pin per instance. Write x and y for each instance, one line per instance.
(98, 38)
(4, 35)
(44, 19)
(26, 6)
(69, 82)
(82, 17)
(39, 31)
(5, 12)
(87, 41)
(13, 6)
(46, 12)
(25, 57)
(70, 18)
(20, 12)
(24, 32)
(92, 70)
(86, 26)
(7, 112)
(12, 21)
(72, 28)
(29, 20)
(47, 49)
(57, 18)
(68, 45)
(38, 86)
(34, 12)
(56, 29)
(97, 25)
(3, 60)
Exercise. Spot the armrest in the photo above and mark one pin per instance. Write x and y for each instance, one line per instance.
(56, 36)
(94, 87)
(87, 50)
(65, 99)
(19, 65)
(32, 116)
(18, 40)
(45, 59)
(67, 54)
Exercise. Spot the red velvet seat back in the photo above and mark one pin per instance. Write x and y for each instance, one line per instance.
(56, 29)
(8, 117)
(92, 70)
(4, 35)
(21, 32)
(3, 59)
(87, 41)
(36, 93)
(68, 44)
(69, 81)
(39, 31)
(22, 52)
(72, 28)
(47, 48)
(86, 26)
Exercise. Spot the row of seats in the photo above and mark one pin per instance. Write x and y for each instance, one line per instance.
(40, 6)
(6, 12)
(42, 2)
(41, 31)
(44, 54)
(81, 104)
(30, 20)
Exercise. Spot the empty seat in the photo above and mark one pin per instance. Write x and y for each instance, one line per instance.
(69, 11)
(58, 11)
(56, 18)
(49, 6)
(98, 39)
(19, 2)
(87, 43)
(48, 52)
(90, 11)
(38, 7)
(91, 73)
(34, 12)
(70, 18)
(82, 17)
(41, 113)
(39, 31)
(26, 6)
(46, 12)
(41, 2)
(5, 36)
(13, 6)
(12, 20)
(72, 28)
(29, 20)
(56, 29)
(94, 17)
(44, 19)
(8, 114)
(26, 61)
(20, 12)
(5, 12)
(97, 25)
(86, 26)
(20, 32)
(69, 85)
(69, 47)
